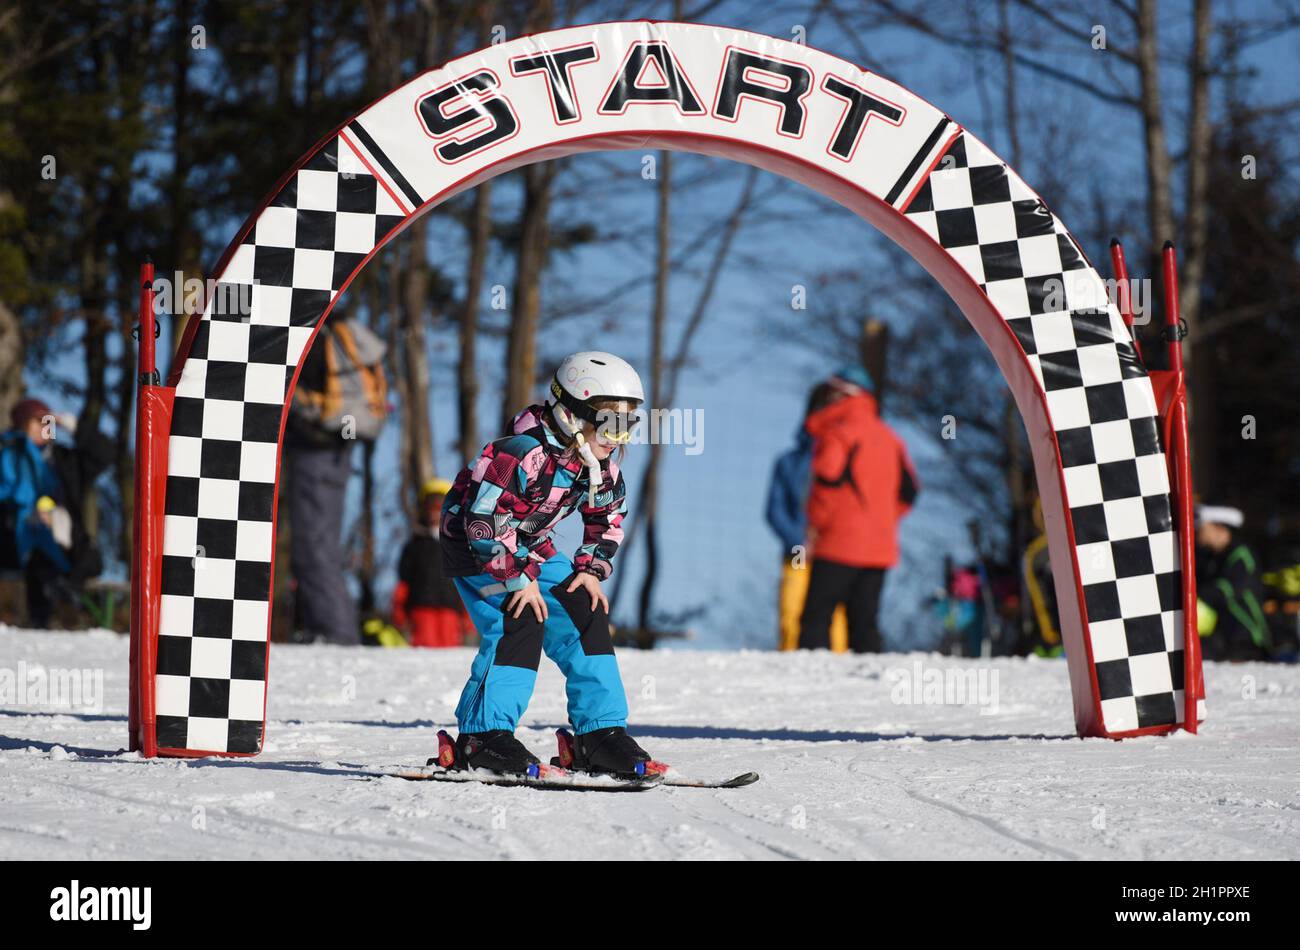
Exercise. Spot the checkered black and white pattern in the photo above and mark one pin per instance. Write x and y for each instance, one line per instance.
(224, 445)
(1103, 411)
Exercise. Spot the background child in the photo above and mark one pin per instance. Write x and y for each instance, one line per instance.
(522, 594)
(1229, 589)
(425, 601)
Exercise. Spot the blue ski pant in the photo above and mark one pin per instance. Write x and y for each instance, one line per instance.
(504, 672)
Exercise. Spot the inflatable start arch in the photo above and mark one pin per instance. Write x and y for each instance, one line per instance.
(208, 441)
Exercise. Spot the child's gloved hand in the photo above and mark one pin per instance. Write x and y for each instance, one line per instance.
(530, 596)
(591, 584)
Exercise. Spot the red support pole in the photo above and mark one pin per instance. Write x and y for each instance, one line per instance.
(1123, 290)
(1173, 317)
(142, 648)
(1181, 471)
(147, 359)
(148, 329)
(153, 414)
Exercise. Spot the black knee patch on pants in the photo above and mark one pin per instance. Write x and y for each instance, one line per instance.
(521, 642)
(593, 625)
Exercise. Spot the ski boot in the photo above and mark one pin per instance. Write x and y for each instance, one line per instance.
(605, 752)
(494, 751)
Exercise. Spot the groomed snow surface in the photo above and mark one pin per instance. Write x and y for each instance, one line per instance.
(848, 771)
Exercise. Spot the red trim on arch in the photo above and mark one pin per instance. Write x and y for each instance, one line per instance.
(925, 176)
(382, 179)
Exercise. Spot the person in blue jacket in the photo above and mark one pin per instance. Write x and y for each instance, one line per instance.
(787, 516)
(32, 520)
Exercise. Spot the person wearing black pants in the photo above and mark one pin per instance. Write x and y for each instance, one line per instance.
(863, 485)
(858, 588)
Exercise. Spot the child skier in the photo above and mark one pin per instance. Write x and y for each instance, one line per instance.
(425, 600)
(523, 595)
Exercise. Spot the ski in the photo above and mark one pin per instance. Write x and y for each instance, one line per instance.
(738, 781)
(445, 768)
(670, 778)
(548, 777)
(666, 774)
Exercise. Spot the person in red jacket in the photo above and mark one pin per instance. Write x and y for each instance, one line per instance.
(863, 485)
(425, 600)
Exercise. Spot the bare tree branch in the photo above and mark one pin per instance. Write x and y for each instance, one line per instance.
(922, 25)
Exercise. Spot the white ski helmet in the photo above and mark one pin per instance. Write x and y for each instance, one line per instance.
(592, 375)
(582, 379)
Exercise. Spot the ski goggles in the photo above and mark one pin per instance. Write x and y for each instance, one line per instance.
(616, 428)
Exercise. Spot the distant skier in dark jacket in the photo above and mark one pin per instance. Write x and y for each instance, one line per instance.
(787, 516)
(863, 486)
(425, 600)
(1229, 590)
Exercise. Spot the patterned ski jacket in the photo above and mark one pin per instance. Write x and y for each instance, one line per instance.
(501, 510)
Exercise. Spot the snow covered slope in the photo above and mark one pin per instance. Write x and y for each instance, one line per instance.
(848, 772)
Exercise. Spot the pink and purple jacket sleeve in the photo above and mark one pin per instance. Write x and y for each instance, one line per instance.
(602, 527)
(496, 508)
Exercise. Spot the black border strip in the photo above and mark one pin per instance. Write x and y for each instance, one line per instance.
(916, 161)
(386, 163)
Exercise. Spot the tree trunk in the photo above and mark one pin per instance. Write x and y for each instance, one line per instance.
(480, 244)
(1201, 381)
(91, 281)
(534, 236)
(659, 318)
(1010, 97)
(530, 262)
(415, 358)
(94, 359)
(184, 255)
(124, 462)
(13, 342)
(672, 366)
(1018, 476)
(13, 357)
(467, 371)
(1160, 210)
(133, 46)
(407, 488)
